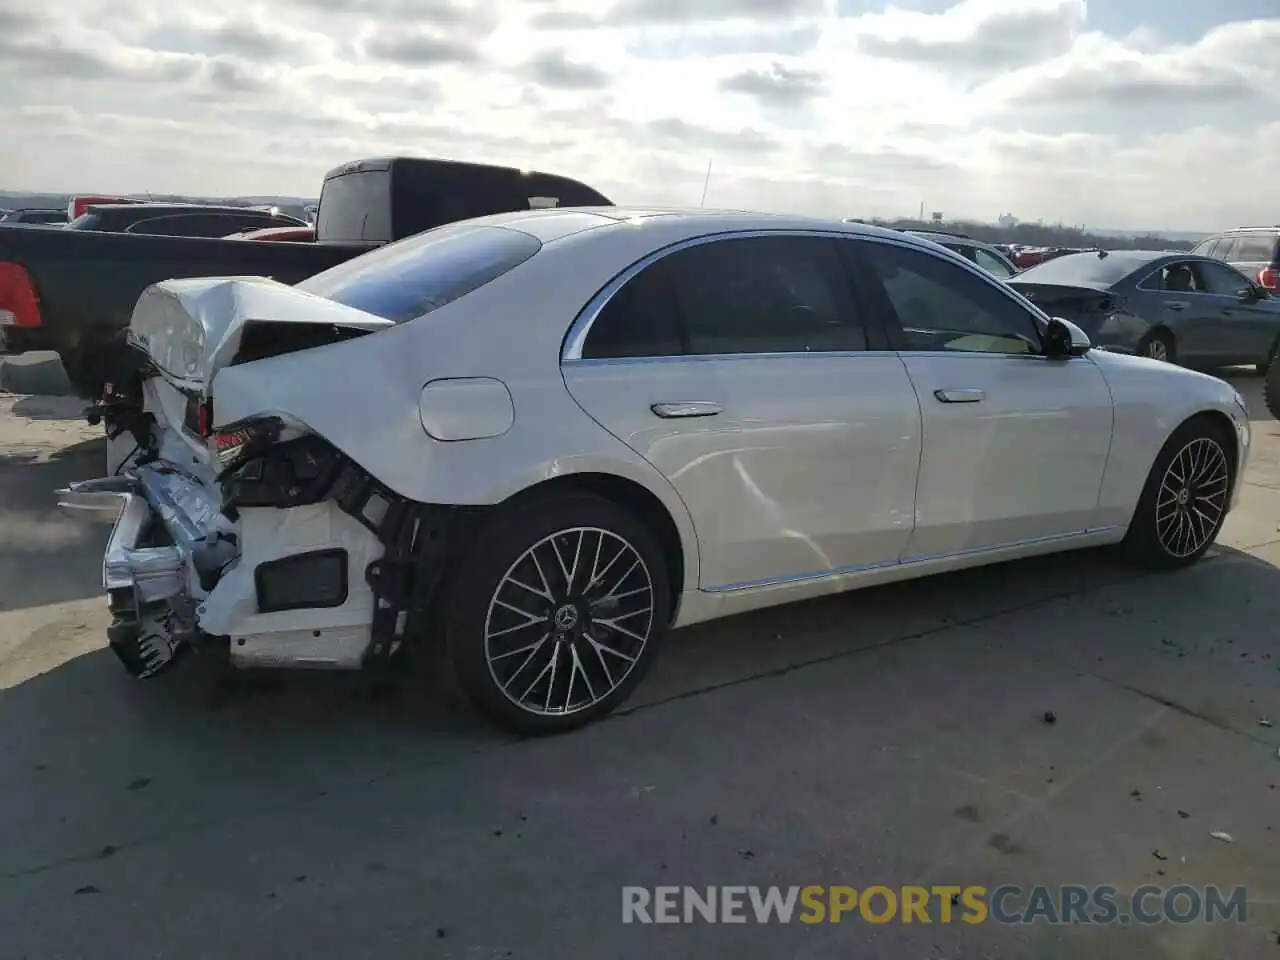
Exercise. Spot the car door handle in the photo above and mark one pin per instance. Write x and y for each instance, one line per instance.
(1177, 304)
(960, 396)
(687, 408)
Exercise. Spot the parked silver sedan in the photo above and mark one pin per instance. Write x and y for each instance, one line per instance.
(534, 442)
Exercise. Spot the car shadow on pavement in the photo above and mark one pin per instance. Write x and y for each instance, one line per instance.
(45, 556)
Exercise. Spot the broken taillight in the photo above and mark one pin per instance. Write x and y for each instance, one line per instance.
(19, 304)
(239, 441)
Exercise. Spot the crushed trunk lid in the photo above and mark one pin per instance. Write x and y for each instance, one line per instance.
(191, 328)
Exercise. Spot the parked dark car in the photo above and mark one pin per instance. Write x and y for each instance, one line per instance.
(177, 219)
(34, 216)
(985, 255)
(73, 290)
(1165, 305)
(1254, 251)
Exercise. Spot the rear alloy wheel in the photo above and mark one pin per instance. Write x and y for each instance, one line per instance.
(558, 616)
(1157, 345)
(1184, 503)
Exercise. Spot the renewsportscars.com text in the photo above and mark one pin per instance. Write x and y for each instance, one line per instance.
(813, 904)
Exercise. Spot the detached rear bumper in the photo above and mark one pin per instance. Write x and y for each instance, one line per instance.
(276, 584)
(165, 532)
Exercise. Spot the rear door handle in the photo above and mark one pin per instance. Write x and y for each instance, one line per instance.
(687, 408)
(960, 396)
(1177, 304)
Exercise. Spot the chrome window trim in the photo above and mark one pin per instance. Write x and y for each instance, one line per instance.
(818, 354)
(576, 338)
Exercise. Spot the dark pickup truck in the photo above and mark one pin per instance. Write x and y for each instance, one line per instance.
(73, 291)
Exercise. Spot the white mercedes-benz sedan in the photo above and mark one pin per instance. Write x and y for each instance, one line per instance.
(533, 443)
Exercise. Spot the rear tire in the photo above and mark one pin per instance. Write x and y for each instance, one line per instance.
(1184, 502)
(1271, 390)
(555, 614)
(1158, 345)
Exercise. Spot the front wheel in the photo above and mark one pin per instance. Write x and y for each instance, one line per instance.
(556, 614)
(1184, 502)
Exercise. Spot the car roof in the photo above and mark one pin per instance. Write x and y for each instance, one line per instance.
(688, 221)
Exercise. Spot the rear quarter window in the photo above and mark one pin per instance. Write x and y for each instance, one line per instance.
(408, 279)
(1257, 248)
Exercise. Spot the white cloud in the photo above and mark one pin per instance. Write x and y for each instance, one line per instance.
(990, 106)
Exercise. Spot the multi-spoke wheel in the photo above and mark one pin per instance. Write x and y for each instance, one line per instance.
(1192, 497)
(1185, 499)
(557, 614)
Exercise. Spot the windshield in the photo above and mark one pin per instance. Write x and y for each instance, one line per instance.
(408, 279)
(1083, 268)
(86, 221)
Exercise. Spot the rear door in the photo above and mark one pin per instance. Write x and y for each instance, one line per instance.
(741, 368)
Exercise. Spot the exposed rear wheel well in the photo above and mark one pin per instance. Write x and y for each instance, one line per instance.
(626, 493)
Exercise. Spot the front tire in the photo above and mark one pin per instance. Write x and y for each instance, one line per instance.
(1184, 502)
(556, 614)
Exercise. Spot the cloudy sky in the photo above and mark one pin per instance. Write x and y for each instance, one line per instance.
(1115, 113)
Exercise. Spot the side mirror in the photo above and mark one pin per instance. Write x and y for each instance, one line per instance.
(1249, 294)
(1063, 339)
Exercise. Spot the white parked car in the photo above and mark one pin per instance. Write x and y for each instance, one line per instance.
(538, 441)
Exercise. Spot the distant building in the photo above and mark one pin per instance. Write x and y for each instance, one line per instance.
(1007, 221)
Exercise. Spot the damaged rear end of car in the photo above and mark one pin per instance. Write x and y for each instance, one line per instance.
(257, 535)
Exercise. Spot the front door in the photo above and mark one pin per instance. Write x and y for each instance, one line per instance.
(740, 369)
(1015, 444)
(1242, 331)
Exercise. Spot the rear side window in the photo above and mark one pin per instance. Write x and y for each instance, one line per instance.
(356, 206)
(785, 294)
(1257, 248)
(640, 320)
(406, 280)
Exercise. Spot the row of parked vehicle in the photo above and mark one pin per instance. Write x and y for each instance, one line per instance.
(1214, 306)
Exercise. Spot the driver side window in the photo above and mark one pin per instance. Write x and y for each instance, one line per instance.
(1221, 279)
(942, 306)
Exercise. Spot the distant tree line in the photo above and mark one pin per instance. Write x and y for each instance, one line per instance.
(1041, 235)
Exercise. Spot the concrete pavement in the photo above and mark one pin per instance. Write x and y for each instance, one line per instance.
(892, 736)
